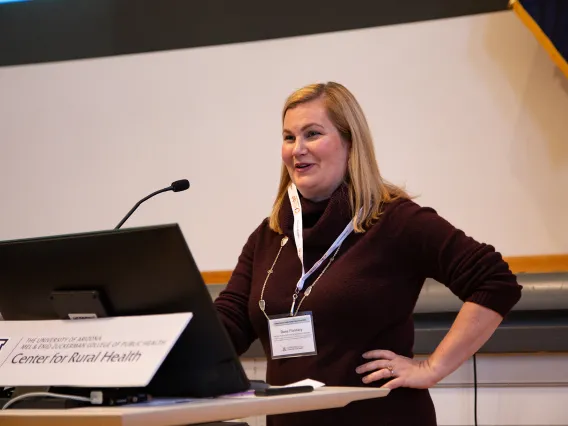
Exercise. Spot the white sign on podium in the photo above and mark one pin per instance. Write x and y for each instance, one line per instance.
(104, 352)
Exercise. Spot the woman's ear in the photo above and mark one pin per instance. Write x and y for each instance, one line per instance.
(349, 148)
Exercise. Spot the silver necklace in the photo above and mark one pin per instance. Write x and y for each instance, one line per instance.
(262, 302)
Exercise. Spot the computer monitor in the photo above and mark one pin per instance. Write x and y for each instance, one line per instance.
(136, 271)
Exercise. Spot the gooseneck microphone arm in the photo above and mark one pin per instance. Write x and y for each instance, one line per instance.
(177, 186)
(138, 205)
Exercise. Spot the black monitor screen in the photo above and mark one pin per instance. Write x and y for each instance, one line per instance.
(136, 271)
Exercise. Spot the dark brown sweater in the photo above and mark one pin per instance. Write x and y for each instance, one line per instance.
(363, 301)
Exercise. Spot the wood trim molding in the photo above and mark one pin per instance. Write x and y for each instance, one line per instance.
(545, 264)
(216, 277)
(519, 265)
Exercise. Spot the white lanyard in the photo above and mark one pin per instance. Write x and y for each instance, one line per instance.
(298, 236)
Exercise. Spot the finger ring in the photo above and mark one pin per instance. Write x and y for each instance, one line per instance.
(389, 367)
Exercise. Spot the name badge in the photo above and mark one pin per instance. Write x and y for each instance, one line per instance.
(292, 336)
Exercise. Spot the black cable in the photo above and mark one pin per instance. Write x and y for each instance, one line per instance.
(475, 390)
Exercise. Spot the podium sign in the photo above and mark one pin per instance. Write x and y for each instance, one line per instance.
(104, 352)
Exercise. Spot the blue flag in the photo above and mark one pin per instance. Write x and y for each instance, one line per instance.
(548, 21)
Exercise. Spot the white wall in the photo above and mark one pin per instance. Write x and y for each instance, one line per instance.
(469, 113)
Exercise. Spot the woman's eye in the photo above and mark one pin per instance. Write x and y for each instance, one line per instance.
(288, 137)
(312, 133)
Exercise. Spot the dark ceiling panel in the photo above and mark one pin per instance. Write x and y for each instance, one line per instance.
(56, 30)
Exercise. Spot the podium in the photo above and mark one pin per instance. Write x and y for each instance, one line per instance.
(122, 290)
(197, 411)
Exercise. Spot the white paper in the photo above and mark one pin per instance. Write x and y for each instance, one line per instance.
(104, 352)
(306, 382)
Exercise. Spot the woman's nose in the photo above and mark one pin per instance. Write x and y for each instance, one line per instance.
(299, 147)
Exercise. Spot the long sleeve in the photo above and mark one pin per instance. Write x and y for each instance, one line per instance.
(473, 271)
(232, 302)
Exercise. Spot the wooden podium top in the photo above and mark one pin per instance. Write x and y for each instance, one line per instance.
(192, 412)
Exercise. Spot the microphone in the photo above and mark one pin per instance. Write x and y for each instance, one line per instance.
(177, 186)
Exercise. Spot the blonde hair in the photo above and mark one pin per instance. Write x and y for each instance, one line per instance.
(368, 191)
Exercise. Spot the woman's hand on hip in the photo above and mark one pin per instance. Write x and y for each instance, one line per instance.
(404, 371)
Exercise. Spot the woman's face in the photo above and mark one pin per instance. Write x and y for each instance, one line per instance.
(313, 151)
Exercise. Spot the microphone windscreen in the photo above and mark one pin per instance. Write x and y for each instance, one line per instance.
(180, 185)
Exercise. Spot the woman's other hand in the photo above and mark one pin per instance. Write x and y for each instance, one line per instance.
(404, 371)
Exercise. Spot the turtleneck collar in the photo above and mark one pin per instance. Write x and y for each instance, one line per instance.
(323, 221)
